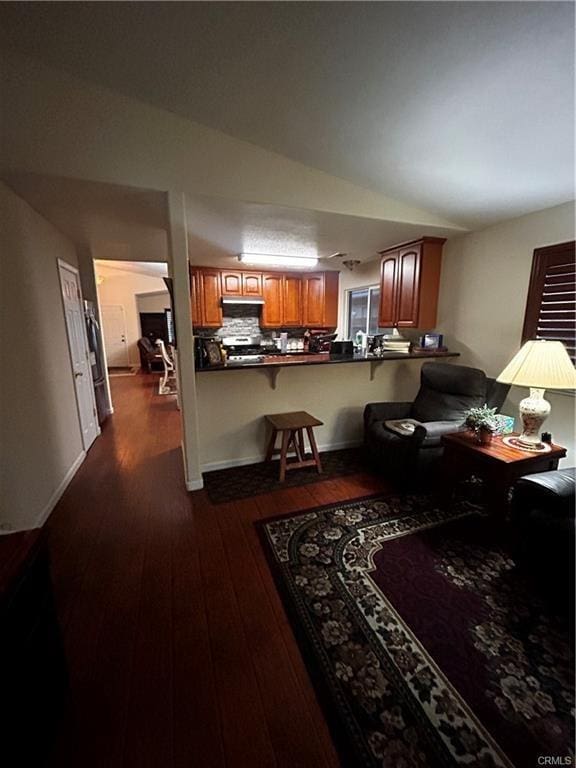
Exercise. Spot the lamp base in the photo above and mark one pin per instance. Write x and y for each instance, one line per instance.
(514, 441)
(533, 413)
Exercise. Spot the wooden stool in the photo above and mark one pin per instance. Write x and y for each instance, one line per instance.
(292, 426)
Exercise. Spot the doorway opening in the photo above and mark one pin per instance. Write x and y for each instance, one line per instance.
(136, 310)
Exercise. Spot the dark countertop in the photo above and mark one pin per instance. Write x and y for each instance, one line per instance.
(280, 361)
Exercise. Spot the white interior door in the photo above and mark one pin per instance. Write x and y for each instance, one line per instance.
(79, 355)
(114, 328)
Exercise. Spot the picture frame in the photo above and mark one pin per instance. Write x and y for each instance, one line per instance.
(432, 341)
(213, 352)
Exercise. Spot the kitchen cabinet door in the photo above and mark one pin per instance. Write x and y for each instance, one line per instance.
(388, 293)
(408, 279)
(273, 295)
(313, 301)
(409, 284)
(196, 297)
(252, 284)
(331, 287)
(231, 283)
(211, 298)
(292, 301)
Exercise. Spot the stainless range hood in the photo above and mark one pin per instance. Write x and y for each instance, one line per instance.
(241, 300)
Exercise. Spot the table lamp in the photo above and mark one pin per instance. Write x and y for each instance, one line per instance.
(539, 365)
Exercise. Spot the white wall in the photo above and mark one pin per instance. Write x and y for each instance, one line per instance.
(121, 288)
(233, 404)
(39, 427)
(153, 302)
(484, 287)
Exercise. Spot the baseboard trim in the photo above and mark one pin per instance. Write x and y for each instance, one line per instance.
(211, 466)
(58, 493)
(194, 485)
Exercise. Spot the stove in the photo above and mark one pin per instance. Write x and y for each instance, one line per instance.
(243, 349)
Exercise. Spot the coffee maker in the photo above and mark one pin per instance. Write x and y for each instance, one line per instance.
(207, 352)
(320, 341)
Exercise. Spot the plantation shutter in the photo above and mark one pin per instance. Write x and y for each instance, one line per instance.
(551, 305)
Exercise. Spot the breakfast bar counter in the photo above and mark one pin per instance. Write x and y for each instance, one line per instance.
(233, 399)
(292, 360)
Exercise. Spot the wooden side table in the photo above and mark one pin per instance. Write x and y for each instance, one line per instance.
(292, 426)
(498, 464)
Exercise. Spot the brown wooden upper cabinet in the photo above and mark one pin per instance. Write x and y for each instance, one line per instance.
(196, 297)
(291, 299)
(273, 293)
(409, 284)
(241, 283)
(292, 317)
(320, 300)
(307, 300)
(206, 297)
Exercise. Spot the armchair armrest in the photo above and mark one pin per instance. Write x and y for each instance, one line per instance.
(429, 435)
(384, 411)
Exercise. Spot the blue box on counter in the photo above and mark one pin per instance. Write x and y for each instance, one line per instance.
(505, 424)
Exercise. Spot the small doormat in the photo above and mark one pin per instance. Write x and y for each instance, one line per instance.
(427, 643)
(240, 482)
(124, 371)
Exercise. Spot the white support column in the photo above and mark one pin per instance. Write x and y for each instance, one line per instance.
(178, 262)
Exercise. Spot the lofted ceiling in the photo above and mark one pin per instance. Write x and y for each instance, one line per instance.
(465, 109)
(219, 229)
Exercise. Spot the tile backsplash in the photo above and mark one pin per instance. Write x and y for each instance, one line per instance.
(242, 320)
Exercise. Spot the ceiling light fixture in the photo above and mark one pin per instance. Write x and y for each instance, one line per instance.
(263, 259)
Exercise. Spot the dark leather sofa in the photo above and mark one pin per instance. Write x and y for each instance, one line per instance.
(543, 520)
(446, 393)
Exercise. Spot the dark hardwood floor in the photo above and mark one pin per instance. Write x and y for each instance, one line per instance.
(179, 650)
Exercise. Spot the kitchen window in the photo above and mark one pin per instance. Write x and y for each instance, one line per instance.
(363, 306)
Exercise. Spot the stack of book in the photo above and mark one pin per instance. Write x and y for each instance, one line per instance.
(395, 343)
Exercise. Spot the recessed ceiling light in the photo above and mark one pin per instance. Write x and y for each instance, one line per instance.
(263, 259)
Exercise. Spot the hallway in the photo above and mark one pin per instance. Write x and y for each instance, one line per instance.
(179, 650)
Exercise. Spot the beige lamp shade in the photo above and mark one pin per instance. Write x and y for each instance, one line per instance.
(542, 365)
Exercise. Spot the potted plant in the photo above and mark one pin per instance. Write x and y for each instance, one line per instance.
(483, 422)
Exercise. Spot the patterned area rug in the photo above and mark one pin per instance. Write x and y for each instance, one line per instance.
(241, 482)
(426, 643)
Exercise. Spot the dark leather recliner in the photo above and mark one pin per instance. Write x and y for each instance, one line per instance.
(446, 393)
(150, 356)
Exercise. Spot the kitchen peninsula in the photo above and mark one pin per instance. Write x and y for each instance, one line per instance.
(233, 400)
(280, 361)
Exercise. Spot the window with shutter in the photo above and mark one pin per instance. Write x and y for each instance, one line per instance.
(551, 305)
